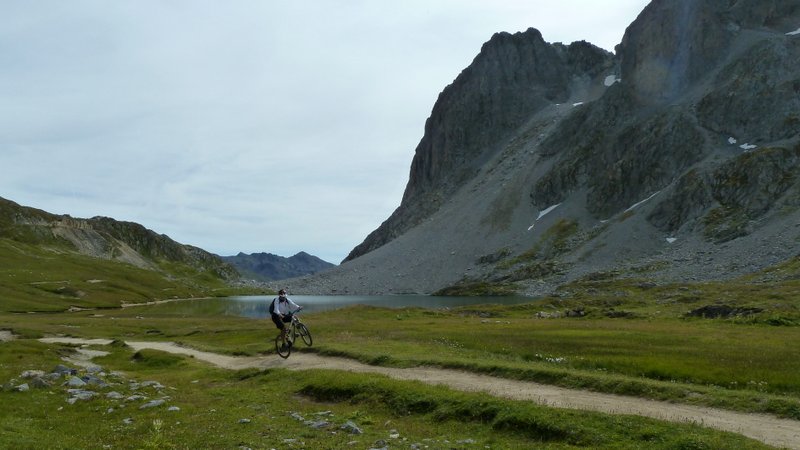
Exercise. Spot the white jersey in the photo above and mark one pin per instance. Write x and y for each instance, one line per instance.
(284, 308)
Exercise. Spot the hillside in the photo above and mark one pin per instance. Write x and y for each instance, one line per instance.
(50, 262)
(269, 267)
(674, 159)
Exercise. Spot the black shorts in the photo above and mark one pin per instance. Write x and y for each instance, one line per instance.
(276, 319)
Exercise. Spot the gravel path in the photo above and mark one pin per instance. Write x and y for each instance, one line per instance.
(783, 433)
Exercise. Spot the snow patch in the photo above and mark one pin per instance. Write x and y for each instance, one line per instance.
(543, 213)
(732, 140)
(671, 240)
(794, 33)
(641, 202)
(577, 104)
(747, 146)
(611, 79)
(547, 211)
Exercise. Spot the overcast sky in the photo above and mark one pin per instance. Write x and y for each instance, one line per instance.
(256, 126)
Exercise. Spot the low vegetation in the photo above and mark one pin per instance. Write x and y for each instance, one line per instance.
(279, 409)
(38, 278)
(726, 345)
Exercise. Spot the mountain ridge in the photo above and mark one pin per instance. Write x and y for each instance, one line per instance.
(271, 267)
(105, 238)
(679, 153)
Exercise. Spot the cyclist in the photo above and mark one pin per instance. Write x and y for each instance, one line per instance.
(281, 311)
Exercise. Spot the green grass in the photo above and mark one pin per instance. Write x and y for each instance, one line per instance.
(635, 339)
(39, 278)
(741, 364)
(212, 402)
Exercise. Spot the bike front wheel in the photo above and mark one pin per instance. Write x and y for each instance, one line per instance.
(305, 334)
(282, 347)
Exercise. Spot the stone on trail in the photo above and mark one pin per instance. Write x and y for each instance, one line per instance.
(94, 369)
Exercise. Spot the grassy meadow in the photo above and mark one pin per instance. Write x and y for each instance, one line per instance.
(603, 333)
(631, 339)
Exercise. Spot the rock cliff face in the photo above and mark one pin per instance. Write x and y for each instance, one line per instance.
(543, 163)
(103, 237)
(511, 79)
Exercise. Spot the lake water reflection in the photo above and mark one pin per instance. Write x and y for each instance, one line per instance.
(257, 306)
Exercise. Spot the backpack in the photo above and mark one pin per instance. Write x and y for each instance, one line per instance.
(272, 306)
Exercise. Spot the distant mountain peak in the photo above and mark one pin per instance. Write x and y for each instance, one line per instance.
(270, 267)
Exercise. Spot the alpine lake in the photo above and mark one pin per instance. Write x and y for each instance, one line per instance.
(256, 306)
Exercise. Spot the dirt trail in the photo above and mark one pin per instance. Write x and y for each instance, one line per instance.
(783, 433)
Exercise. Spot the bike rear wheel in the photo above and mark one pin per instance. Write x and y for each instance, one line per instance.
(305, 334)
(282, 347)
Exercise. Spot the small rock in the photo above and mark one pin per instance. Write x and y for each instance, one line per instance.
(32, 374)
(93, 380)
(297, 416)
(127, 421)
(79, 394)
(75, 382)
(40, 383)
(114, 395)
(22, 388)
(134, 398)
(466, 441)
(173, 408)
(94, 369)
(318, 424)
(351, 428)
(64, 370)
(244, 420)
(152, 404)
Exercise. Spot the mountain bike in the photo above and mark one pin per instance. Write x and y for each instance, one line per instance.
(294, 329)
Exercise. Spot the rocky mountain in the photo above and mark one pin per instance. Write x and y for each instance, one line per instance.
(105, 238)
(674, 158)
(269, 267)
